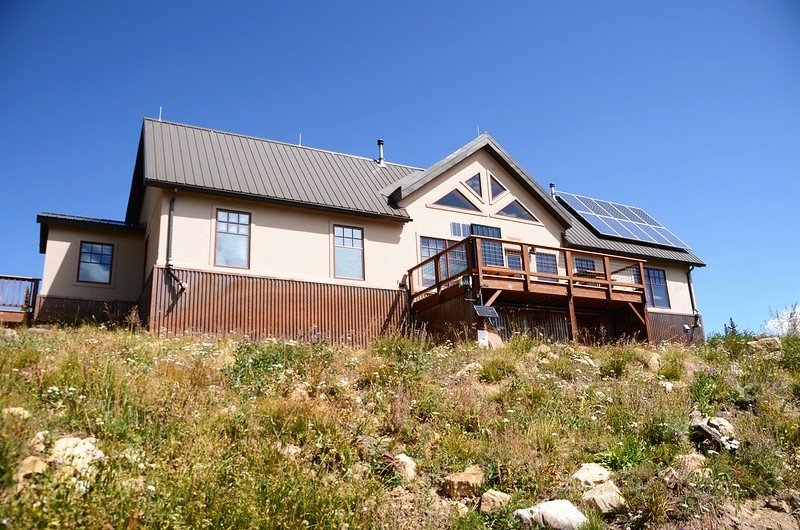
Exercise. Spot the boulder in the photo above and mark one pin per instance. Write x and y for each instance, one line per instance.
(290, 451)
(33, 465)
(493, 500)
(704, 433)
(40, 331)
(606, 497)
(651, 360)
(591, 474)
(16, 413)
(9, 334)
(405, 467)
(690, 463)
(38, 444)
(542, 349)
(75, 455)
(558, 515)
(766, 344)
(471, 368)
(667, 385)
(724, 427)
(467, 483)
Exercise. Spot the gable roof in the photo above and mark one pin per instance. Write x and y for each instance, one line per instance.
(414, 181)
(181, 156)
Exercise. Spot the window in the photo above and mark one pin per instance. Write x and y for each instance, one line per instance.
(547, 263)
(474, 184)
(496, 190)
(492, 253)
(485, 231)
(515, 210)
(94, 265)
(655, 283)
(429, 247)
(456, 199)
(514, 260)
(233, 239)
(348, 252)
(459, 229)
(584, 266)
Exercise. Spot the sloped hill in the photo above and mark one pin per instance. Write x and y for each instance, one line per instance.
(113, 429)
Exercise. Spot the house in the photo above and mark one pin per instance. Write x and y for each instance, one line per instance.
(229, 233)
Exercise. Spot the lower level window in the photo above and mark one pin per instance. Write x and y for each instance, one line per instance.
(348, 252)
(547, 263)
(95, 262)
(233, 239)
(655, 283)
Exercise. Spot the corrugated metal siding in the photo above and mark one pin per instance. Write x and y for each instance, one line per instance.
(668, 327)
(266, 307)
(214, 160)
(552, 324)
(55, 309)
(453, 319)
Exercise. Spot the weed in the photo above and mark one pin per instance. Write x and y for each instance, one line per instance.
(708, 389)
(496, 369)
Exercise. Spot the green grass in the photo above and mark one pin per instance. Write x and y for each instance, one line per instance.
(195, 429)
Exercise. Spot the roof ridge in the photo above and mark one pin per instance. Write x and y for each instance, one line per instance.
(279, 142)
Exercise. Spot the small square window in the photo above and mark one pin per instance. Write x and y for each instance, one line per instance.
(94, 263)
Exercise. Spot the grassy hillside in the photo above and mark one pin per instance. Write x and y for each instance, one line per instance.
(201, 432)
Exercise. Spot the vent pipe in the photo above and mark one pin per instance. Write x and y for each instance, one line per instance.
(380, 151)
(553, 190)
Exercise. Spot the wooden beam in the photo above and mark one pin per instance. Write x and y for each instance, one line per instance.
(493, 298)
(526, 265)
(637, 313)
(573, 320)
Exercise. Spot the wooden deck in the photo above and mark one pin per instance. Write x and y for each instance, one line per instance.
(495, 271)
(17, 298)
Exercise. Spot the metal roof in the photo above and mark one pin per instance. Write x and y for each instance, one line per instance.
(186, 156)
(45, 219)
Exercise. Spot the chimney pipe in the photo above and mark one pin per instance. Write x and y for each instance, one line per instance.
(380, 151)
(553, 189)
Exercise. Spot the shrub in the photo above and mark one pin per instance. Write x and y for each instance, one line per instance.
(496, 369)
(790, 352)
(616, 364)
(521, 343)
(628, 453)
(708, 388)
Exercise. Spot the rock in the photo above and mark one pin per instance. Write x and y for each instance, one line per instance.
(493, 500)
(689, 463)
(793, 496)
(552, 356)
(670, 477)
(298, 393)
(9, 334)
(38, 444)
(585, 359)
(405, 467)
(722, 425)
(31, 466)
(651, 360)
(290, 451)
(606, 497)
(766, 344)
(778, 505)
(464, 484)
(590, 475)
(359, 471)
(16, 412)
(471, 368)
(40, 331)
(230, 410)
(667, 385)
(704, 433)
(367, 446)
(75, 455)
(543, 349)
(558, 515)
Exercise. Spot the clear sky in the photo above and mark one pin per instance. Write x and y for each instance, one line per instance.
(688, 109)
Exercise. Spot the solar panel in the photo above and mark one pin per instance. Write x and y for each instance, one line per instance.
(486, 311)
(617, 220)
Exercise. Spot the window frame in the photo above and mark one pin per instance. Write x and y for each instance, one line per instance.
(492, 197)
(479, 196)
(648, 288)
(363, 249)
(534, 220)
(216, 236)
(110, 268)
(478, 210)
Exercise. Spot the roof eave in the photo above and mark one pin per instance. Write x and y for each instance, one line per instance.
(402, 218)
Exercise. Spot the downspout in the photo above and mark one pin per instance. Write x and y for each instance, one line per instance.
(182, 286)
(695, 312)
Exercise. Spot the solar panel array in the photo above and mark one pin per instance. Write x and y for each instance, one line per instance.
(618, 220)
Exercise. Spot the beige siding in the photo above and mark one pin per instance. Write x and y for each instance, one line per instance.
(60, 278)
(151, 215)
(677, 288)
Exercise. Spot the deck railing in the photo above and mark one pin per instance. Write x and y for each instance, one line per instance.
(17, 297)
(527, 267)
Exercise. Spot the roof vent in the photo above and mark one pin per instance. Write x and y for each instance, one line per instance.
(380, 151)
(553, 190)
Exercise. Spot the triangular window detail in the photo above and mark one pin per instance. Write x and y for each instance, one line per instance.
(517, 211)
(495, 189)
(474, 184)
(456, 199)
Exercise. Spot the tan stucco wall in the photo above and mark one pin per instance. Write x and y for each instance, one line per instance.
(60, 277)
(151, 215)
(677, 288)
(286, 242)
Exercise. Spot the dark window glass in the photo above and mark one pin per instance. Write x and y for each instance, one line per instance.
(94, 265)
(546, 263)
(348, 252)
(456, 199)
(233, 239)
(475, 185)
(486, 231)
(495, 188)
(459, 229)
(492, 253)
(584, 266)
(655, 281)
(514, 260)
(517, 211)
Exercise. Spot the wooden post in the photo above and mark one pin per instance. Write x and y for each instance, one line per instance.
(526, 266)
(607, 267)
(573, 319)
(479, 260)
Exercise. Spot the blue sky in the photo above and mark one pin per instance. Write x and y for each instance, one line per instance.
(688, 109)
